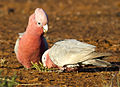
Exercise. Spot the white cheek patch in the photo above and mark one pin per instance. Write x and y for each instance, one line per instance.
(45, 56)
(44, 60)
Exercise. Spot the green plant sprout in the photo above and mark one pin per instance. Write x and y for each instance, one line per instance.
(41, 68)
(7, 82)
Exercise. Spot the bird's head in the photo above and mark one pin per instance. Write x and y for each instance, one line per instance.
(41, 19)
(38, 21)
(47, 62)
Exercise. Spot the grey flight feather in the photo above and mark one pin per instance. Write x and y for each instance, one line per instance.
(17, 43)
(71, 51)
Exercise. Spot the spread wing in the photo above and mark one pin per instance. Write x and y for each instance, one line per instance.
(17, 43)
(70, 51)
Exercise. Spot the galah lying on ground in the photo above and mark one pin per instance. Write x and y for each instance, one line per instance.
(31, 44)
(69, 54)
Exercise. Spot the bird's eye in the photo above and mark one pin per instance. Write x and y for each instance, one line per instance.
(44, 58)
(44, 61)
(39, 23)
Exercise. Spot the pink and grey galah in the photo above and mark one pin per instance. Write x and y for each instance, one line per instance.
(31, 44)
(70, 54)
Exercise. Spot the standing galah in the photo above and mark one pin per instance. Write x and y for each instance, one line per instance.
(31, 44)
(69, 54)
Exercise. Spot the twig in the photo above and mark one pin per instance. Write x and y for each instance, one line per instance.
(30, 84)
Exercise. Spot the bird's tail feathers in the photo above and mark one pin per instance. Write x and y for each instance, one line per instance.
(97, 55)
(97, 62)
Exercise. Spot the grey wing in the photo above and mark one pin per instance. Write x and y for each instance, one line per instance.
(45, 42)
(17, 43)
(70, 51)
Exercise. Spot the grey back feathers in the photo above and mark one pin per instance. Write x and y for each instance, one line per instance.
(71, 51)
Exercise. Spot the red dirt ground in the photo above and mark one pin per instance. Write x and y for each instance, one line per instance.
(95, 22)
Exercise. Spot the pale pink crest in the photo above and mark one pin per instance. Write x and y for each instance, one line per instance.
(41, 16)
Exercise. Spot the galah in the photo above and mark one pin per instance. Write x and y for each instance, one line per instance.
(70, 54)
(31, 44)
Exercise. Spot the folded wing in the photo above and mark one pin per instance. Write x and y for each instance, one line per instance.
(70, 51)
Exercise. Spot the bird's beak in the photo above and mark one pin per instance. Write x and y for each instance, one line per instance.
(45, 28)
(44, 64)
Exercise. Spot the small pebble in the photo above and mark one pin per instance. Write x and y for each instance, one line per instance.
(11, 10)
(118, 14)
(57, 18)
